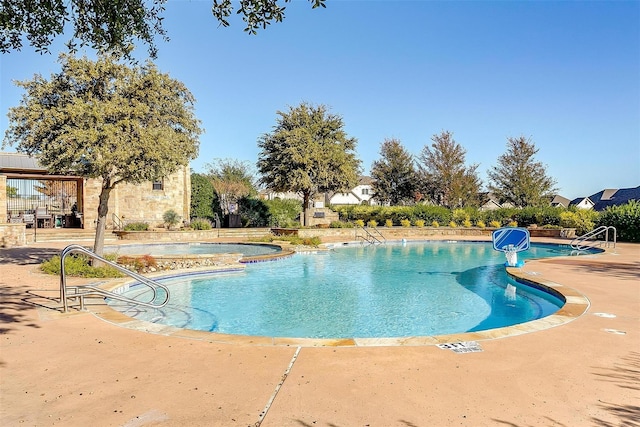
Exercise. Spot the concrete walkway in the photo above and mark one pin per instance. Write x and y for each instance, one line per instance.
(76, 369)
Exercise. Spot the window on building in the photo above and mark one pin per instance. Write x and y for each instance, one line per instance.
(365, 191)
(158, 185)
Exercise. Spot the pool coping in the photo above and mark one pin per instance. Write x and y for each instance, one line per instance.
(576, 304)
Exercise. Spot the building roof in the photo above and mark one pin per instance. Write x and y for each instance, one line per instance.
(11, 162)
(614, 197)
(559, 200)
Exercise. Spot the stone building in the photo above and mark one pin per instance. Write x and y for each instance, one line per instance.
(30, 196)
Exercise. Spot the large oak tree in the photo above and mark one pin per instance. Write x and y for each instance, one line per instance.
(518, 178)
(114, 25)
(308, 152)
(102, 119)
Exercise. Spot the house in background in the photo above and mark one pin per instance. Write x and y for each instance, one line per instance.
(72, 201)
(614, 197)
(560, 202)
(361, 194)
(582, 203)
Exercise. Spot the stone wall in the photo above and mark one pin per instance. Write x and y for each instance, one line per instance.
(140, 203)
(12, 235)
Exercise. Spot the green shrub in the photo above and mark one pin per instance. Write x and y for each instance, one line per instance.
(170, 218)
(419, 223)
(79, 266)
(136, 226)
(340, 224)
(405, 223)
(359, 222)
(512, 224)
(453, 224)
(435, 224)
(583, 220)
(625, 218)
(284, 212)
(200, 224)
(495, 224)
(467, 223)
(481, 224)
(388, 223)
(372, 223)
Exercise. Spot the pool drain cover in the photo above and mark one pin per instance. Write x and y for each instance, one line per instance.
(462, 347)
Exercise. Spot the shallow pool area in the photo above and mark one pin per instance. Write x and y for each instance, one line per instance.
(393, 290)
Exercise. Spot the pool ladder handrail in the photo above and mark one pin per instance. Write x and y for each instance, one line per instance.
(80, 292)
(584, 242)
(368, 236)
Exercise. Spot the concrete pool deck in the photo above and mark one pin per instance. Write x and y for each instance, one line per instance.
(76, 369)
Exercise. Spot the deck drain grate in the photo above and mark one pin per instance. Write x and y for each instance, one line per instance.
(462, 347)
(615, 331)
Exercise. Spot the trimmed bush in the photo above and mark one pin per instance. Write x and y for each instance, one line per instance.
(137, 226)
(372, 223)
(359, 222)
(453, 224)
(79, 266)
(388, 223)
(625, 218)
(419, 223)
(481, 224)
(435, 224)
(170, 218)
(200, 224)
(582, 220)
(405, 223)
(495, 224)
(467, 223)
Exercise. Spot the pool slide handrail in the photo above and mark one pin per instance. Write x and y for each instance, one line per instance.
(82, 291)
(585, 241)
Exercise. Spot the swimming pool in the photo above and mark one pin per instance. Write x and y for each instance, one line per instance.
(393, 290)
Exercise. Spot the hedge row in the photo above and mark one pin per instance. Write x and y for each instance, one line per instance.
(625, 218)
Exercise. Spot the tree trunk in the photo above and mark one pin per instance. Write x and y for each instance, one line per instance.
(103, 209)
(305, 208)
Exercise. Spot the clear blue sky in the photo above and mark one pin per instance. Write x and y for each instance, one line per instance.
(566, 74)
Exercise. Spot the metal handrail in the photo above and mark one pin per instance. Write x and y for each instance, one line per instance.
(117, 222)
(578, 242)
(85, 290)
(370, 237)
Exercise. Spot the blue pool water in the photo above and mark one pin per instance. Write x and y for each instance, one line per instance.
(391, 290)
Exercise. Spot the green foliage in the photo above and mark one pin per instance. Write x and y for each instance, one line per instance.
(388, 223)
(435, 224)
(372, 223)
(200, 224)
(253, 212)
(626, 220)
(308, 152)
(394, 176)
(495, 224)
(79, 266)
(170, 218)
(136, 226)
(419, 223)
(12, 192)
(202, 197)
(284, 212)
(467, 223)
(481, 224)
(232, 181)
(294, 240)
(359, 222)
(102, 119)
(340, 224)
(405, 223)
(445, 178)
(541, 215)
(583, 220)
(518, 178)
(114, 26)
(453, 224)
(512, 224)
